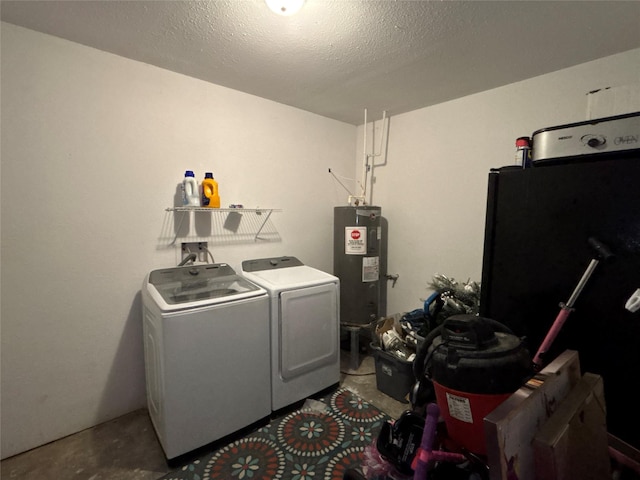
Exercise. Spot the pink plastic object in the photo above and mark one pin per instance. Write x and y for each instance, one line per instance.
(425, 454)
(374, 466)
(602, 253)
(563, 314)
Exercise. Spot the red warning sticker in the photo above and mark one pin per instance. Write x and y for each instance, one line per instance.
(355, 240)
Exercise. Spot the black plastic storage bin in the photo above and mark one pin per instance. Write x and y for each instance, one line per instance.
(394, 376)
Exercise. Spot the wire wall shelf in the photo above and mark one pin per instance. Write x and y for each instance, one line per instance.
(218, 226)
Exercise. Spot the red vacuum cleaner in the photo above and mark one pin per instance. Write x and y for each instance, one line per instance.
(475, 364)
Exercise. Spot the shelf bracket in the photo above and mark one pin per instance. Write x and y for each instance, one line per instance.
(173, 242)
(259, 212)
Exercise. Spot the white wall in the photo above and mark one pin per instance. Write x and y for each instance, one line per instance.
(433, 188)
(93, 146)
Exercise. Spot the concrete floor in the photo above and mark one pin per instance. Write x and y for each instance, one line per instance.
(127, 447)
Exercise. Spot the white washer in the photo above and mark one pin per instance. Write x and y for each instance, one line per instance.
(206, 354)
(305, 327)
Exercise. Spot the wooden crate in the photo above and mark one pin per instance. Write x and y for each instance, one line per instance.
(573, 443)
(512, 426)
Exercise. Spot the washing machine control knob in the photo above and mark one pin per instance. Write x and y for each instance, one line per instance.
(194, 271)
(273, 262)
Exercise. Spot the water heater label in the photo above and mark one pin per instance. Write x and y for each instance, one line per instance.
(459, 407)
(370, 269)
(355, 240)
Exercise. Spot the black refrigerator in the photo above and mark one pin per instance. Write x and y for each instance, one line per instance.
(536, 249)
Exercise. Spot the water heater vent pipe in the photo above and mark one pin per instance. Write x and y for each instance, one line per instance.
(366, 167)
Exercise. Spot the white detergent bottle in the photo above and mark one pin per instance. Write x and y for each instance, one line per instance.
(190, 193)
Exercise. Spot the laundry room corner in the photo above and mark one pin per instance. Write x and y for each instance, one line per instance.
(224, 225)
(113, 138)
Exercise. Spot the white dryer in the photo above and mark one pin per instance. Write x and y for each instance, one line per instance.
(206, 354)
(305, 327)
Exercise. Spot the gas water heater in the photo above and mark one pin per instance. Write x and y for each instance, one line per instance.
(357, 249)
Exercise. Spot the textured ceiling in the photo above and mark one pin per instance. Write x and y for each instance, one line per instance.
(336, 58)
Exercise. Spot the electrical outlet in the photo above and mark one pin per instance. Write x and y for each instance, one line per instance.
(199, 248)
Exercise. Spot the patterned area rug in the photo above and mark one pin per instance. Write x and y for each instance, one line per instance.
(317, 442)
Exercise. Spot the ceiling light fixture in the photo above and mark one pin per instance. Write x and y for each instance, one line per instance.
(285, 7)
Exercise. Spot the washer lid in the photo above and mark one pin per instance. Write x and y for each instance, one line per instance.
(199, 285)
(288, 278)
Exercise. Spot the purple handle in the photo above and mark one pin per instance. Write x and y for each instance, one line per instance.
(425, 453)
(426, 444)
(430, 425)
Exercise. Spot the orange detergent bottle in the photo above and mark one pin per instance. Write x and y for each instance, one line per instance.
(210, 195)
